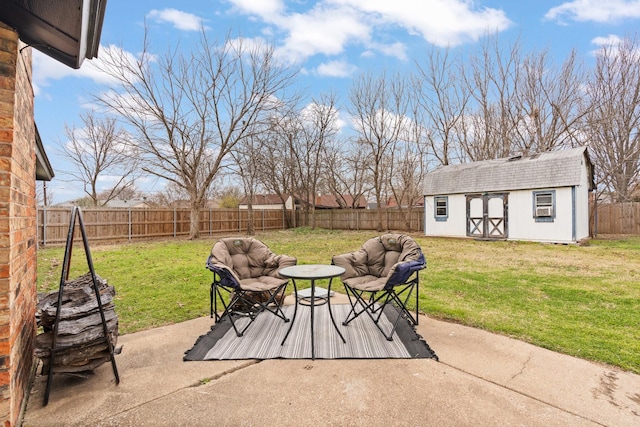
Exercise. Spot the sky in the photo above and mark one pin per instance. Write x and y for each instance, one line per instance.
(332, 41)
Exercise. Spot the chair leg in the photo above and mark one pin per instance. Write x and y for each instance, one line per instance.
(228, 307)
(402, 308)
(249, 299)
(355, 299)
(211, 299)
(273, 299)
(374, 306)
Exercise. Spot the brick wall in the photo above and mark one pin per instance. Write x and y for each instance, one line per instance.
(17, 225)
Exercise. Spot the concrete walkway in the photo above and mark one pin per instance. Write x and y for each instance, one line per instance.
(482, 379)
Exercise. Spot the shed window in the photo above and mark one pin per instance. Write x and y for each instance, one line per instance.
(441, 208)
(544, 203)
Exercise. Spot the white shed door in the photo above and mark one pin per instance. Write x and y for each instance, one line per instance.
(487, 215)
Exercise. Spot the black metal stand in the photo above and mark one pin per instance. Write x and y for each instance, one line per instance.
(76, 213)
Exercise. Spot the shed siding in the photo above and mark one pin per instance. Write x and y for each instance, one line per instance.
(523, 226)
(456, 223)
(582, 203)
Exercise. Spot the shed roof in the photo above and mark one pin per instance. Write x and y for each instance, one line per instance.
(544, 170)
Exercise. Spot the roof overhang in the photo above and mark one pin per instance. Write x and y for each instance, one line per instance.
(44, 171)
(68, 31)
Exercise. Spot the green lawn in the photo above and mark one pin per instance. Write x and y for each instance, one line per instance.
(579, 300)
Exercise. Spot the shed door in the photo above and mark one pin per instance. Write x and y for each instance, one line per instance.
(487, 215)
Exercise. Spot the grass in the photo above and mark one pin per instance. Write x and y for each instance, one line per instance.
(578, 300)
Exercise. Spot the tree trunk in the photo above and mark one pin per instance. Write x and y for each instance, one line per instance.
(194, 224)
(251, 229)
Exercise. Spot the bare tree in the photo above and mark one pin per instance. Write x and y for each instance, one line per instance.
(188, 111)
(346, 173)
(279, 168)
(548, 104)
(99, 149)
(439, 99)
(518, 105)
(491, 76)
(318, 124)
(614, 120)
(292, 150)
(247, 160)
(44, 195)
(409, 155)
(128, 193)
(378, 106)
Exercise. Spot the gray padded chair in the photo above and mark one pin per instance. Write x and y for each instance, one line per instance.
(245, 272)
(381, 274)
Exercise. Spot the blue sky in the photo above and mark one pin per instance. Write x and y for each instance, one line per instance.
(332, 40)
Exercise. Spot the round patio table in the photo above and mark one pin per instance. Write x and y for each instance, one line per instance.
(312, 272)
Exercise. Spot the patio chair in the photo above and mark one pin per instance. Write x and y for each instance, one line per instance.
(245, 272)
(382, 274)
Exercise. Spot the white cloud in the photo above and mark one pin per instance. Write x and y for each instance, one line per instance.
(322, 31)
(246, 45)
(180, 20)
(336, 69)
(610, 40)
(612, 45)
(399, 50)
(331, 26)
(595, 10)
(263, 8)
(46, 68)
(440, 22)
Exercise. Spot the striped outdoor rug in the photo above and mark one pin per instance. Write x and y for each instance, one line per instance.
(262, 339)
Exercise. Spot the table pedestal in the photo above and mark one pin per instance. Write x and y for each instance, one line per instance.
(312, 272)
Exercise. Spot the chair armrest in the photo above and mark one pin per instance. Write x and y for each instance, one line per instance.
(276, 262)
(228, 277)
(401, 271)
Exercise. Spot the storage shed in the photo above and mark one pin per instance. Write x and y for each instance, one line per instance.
(543, 197)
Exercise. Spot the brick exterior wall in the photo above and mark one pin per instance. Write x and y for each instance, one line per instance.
(18, 295)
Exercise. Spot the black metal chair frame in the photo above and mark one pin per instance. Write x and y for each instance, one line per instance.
(224, 281)
(397, 295)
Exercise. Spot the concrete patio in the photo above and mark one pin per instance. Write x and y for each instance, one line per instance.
(482, 379)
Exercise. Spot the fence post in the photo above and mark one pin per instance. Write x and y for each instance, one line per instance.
(130, 225)
(44, 226)
(175, 222)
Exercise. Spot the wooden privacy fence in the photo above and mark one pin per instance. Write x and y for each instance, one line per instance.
(364, 219)
(618, 218)
(117, 224)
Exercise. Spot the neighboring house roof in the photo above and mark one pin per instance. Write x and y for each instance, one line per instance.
(544, 170)
(329, 201)
(262, 199)
(68, 31)
(392, 202)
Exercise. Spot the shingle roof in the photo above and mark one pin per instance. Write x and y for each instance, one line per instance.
(545, 170)
(262, 199)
